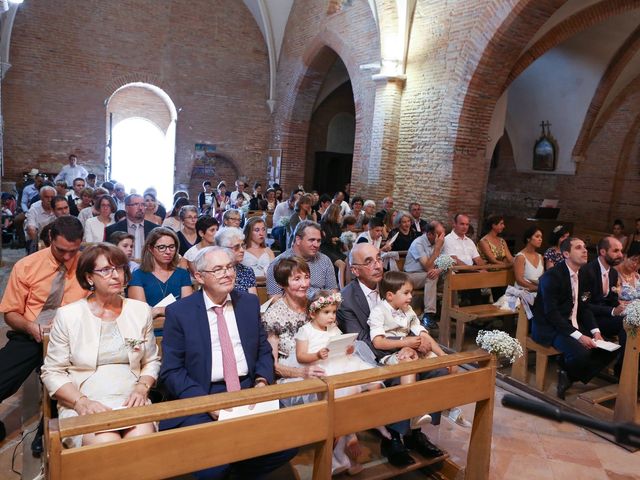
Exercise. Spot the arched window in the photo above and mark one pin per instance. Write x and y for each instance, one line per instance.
(141, 122)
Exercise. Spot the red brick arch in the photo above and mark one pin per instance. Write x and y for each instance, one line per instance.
(291, 134)
(632, 87)
(488, 82)
(576, 23)
(622, 57)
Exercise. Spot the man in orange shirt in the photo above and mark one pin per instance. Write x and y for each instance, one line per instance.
(38, 285)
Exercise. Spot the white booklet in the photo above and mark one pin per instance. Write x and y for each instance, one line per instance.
(338, 345)
(244, 410)
(168, 300)
(609, 346)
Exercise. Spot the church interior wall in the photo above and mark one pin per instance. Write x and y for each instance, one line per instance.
(207, 55)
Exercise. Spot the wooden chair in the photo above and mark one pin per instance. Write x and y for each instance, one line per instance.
(261, 286)
(519, 370)
(486, 276)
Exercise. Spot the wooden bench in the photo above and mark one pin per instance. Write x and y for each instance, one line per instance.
(468, 278)
(183, 450)
(261, 287)
(519, 371)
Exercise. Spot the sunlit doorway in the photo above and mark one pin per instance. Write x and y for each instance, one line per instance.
(141, 126)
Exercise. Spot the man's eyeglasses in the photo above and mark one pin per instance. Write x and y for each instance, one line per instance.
(137, 204)
(369, 262)
(107, 272)
(220, 272)
(164, 248)
(237, 248)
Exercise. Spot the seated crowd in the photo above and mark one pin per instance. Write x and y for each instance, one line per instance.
(105, 267)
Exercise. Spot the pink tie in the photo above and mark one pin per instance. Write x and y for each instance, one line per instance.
(605, 284)
(574, 311)
(229, 366)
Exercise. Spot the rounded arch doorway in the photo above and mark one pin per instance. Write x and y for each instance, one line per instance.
(141, 124)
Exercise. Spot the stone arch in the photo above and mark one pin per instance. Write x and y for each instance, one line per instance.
(576, 23)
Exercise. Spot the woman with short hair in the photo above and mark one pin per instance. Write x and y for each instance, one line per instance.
(94, 227)
(493, 248)
(102, 354)
(233, 238)
(188, 235)
(207, 227)
(553, 255)
(402, 234)
(173, 219)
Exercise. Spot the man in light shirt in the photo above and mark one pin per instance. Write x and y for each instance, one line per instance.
(71, 171)
(239, 191)
(39, 215)
(459, 246)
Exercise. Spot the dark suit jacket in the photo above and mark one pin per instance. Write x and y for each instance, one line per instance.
(186, 346)
(121, 226)
(591, 283)
(553, 306)
(73, 208)
(353, 314)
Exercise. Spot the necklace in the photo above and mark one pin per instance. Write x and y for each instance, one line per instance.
(164, 286)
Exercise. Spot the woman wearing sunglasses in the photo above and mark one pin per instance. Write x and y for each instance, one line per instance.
(102, 354)
(159, 275)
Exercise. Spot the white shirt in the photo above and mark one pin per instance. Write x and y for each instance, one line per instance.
(69, 174)
(372, 296)
(217, 372)
(281, 210)
(120, 205)
(37, 217)
(85, 214)
(367, 237)
(138, 235)
(94, 230)
(604, 270)
(462, 247)
(234, 196)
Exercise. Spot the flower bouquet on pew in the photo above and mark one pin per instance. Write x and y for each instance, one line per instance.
(632, 317)
(500, 344)
(444, 263)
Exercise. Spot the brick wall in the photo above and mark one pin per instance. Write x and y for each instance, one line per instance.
(207, 55)
(604, 188)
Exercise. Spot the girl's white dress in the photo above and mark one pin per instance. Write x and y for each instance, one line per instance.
(318, 339)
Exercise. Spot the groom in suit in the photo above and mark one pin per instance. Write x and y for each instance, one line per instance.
(561, 318)
(214, 342)
(599, 282)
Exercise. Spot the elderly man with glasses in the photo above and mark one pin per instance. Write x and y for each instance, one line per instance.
(214, 342)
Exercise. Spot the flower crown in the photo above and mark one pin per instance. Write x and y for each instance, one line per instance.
(321, 302)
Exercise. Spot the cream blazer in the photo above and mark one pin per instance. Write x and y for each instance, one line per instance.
(72, 354)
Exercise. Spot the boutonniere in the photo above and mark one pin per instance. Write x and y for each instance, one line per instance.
(615, 289)
(133, 344)
(585, 296)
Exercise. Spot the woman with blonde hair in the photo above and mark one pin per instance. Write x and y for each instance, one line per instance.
(257, 255)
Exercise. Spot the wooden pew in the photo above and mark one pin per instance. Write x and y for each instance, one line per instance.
(261, 287)
(183, 450)
(474, 277)
(519, 371)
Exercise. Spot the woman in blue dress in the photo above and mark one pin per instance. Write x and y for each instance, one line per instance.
(159, 275)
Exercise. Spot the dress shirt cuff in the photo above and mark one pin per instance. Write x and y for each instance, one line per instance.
(613, 310)
(595, 330)
(576, 334)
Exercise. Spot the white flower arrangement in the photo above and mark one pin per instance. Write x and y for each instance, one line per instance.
(284, 221)
(444, 262)
(348, 238)
(632, 316)
(134, 344)
(320, 303)
(500, 344)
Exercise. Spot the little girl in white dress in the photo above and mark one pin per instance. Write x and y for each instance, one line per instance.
(311, 348)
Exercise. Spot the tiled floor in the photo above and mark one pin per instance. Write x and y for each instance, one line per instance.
(523, 447)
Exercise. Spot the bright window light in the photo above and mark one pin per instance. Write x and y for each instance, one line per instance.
(143, 158)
